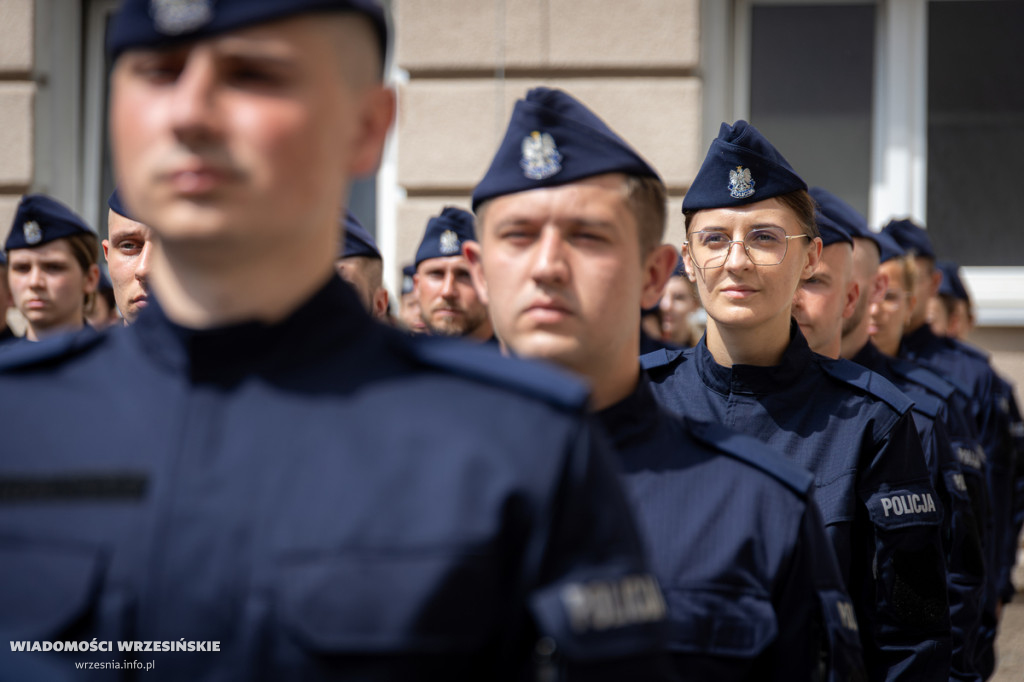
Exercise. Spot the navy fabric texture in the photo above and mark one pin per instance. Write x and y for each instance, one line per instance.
(853, 431)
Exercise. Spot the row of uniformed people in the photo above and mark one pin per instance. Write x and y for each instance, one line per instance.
(743, 542)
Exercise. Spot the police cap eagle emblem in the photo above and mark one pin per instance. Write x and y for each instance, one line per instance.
(449, 242)
(541, 158)
(741, 185)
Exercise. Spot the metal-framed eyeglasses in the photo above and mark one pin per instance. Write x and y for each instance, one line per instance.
(764, 246)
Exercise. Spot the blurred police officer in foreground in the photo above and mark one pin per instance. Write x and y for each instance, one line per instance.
(52, 270)
(568, 255)
(128, 249)
(449, 303)
(258, 495)
(360, 264)
(822, 303)
(989, 412)
(751, 239)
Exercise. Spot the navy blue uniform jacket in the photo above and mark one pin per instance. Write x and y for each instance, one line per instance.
(951, 359)
(853, 431)
(323, 497)
(752, 587)
(955, 483)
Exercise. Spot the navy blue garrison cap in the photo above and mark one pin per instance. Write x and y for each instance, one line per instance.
(553, 139)
(910, 236)
(407, 283)
(115, 204)
(445, 235)
(888, 247)
(841, 213)
(41, 219)
(741, 167)
(952, 285)
(358, 241)
(831, 231)
(158, 23)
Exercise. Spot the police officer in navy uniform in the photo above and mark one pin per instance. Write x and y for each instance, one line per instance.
(751, 238)
(989, 412)
(568, 254)
(52, 270)
(951, 311)
(128, 248)
(258, 497)
(360, 264)
(409, 303)
(449, 303)
(822, 302)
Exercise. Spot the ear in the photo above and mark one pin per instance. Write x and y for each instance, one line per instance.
(376, 117)
(380, 303)
(106, 249)
(813, 256)
(658, 267)
(852, 296)
(92, 279)
(474, 254)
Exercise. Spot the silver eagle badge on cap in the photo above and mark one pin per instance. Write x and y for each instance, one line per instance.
(541, 158)
(449, 242)
(33, 233)
(174, 17)
(741, 185)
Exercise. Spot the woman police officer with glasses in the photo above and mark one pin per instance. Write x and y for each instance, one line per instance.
(751, 238)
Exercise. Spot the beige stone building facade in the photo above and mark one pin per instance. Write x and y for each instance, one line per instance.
(870, 99)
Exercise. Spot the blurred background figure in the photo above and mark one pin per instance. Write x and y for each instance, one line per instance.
(103, 311)
(128, 249)
(360, 264)
(52, 270)
(679, 305)
(409, 303)
(951, 311)
(450, 305)
(6, 333)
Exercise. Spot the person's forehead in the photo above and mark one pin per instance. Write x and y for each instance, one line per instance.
(769, 211)
(444, 263)
(609, 187)
(118, 225)
(58, 248)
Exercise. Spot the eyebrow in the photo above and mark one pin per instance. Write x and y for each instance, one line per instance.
(124, 233)
(755, 226)
(573, 222)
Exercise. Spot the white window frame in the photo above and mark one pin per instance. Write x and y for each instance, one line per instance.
(899, 165)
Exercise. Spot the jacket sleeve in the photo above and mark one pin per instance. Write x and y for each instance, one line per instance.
(598, 610)
(900, 590)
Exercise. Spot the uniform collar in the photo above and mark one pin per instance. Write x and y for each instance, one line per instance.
(331, 318)
(752, 379)
(920, 340)
(869, 356)
(631, 417)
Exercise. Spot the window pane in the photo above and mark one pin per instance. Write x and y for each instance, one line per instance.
(975, 130)
(811, 91)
